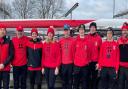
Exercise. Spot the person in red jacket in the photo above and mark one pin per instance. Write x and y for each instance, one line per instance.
(6, 56)
(51, 59)
(81, 60)
(19, 62)
(123, 47)
(108, 61)
(67, 46)
(34, 56)
(94, 41)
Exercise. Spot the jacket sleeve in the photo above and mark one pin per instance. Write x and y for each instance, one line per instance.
(43, 56)
(100, 43)
(117, 59)
(100, 56)
(11, 54)
(58, 55)
(74, 49)
(60, 49)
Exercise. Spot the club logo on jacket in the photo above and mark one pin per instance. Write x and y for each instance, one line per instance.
(66, 47)
(114, 47)
(20, 45)
(109, 50)
(96, 43)
(85, 47)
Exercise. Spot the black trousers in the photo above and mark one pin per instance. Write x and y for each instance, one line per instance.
(35, 77)
(107, 78)
(80, 75)
(4, 78)
(66, 74)
(93, 76)
(20, 76)
(50, 77)
(123, 78)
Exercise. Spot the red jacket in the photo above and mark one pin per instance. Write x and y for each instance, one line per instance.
(123, 47)
(81, 52)
(94, 42)
(20, 57)
(6, 53)
(67, 50)
(51, 56)
(109, 55)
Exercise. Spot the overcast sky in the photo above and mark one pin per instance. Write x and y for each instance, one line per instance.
(96, 9)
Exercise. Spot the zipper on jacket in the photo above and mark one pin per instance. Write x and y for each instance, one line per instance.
(34, 46)
(0, 52)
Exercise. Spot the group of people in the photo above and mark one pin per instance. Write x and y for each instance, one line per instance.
(84, 61)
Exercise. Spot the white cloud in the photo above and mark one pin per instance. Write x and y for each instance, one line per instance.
(95, 9)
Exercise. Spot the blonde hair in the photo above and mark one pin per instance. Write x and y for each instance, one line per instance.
(47, 40)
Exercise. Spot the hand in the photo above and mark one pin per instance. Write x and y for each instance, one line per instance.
(97, 66)
(1, 66)
(42, 70)
(56, 71)
(116, 72)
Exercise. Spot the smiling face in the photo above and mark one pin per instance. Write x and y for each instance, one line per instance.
(66, 33)
(109, 35)
(92, 29)
(2, 32)
(124, 33)
(81, 31)
(50, 35)
(34, 35)
(19, 34)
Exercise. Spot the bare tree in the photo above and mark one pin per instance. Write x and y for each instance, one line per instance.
(49, 8)
(23, 9)
(57, 8)
(5, 10)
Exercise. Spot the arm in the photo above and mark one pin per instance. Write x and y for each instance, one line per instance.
(11, 54)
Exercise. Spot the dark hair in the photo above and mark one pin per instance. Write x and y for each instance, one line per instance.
(125, 24)
(81, 26)
(110, 29)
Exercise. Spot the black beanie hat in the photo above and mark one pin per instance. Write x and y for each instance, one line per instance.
(93, 24)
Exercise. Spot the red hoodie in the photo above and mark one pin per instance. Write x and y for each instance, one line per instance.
(123, 45)
(67, 50)
(51, 56)
(20, 57)
(109, 55)
(94, 42)
(81, 52)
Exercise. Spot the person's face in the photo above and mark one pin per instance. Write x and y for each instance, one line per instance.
(81, 31)
(19, 34)
(2, 32)
(34, 35)
(92, 29)
(50, 35)
(66, 33)
(109, 35)
(124, 33)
